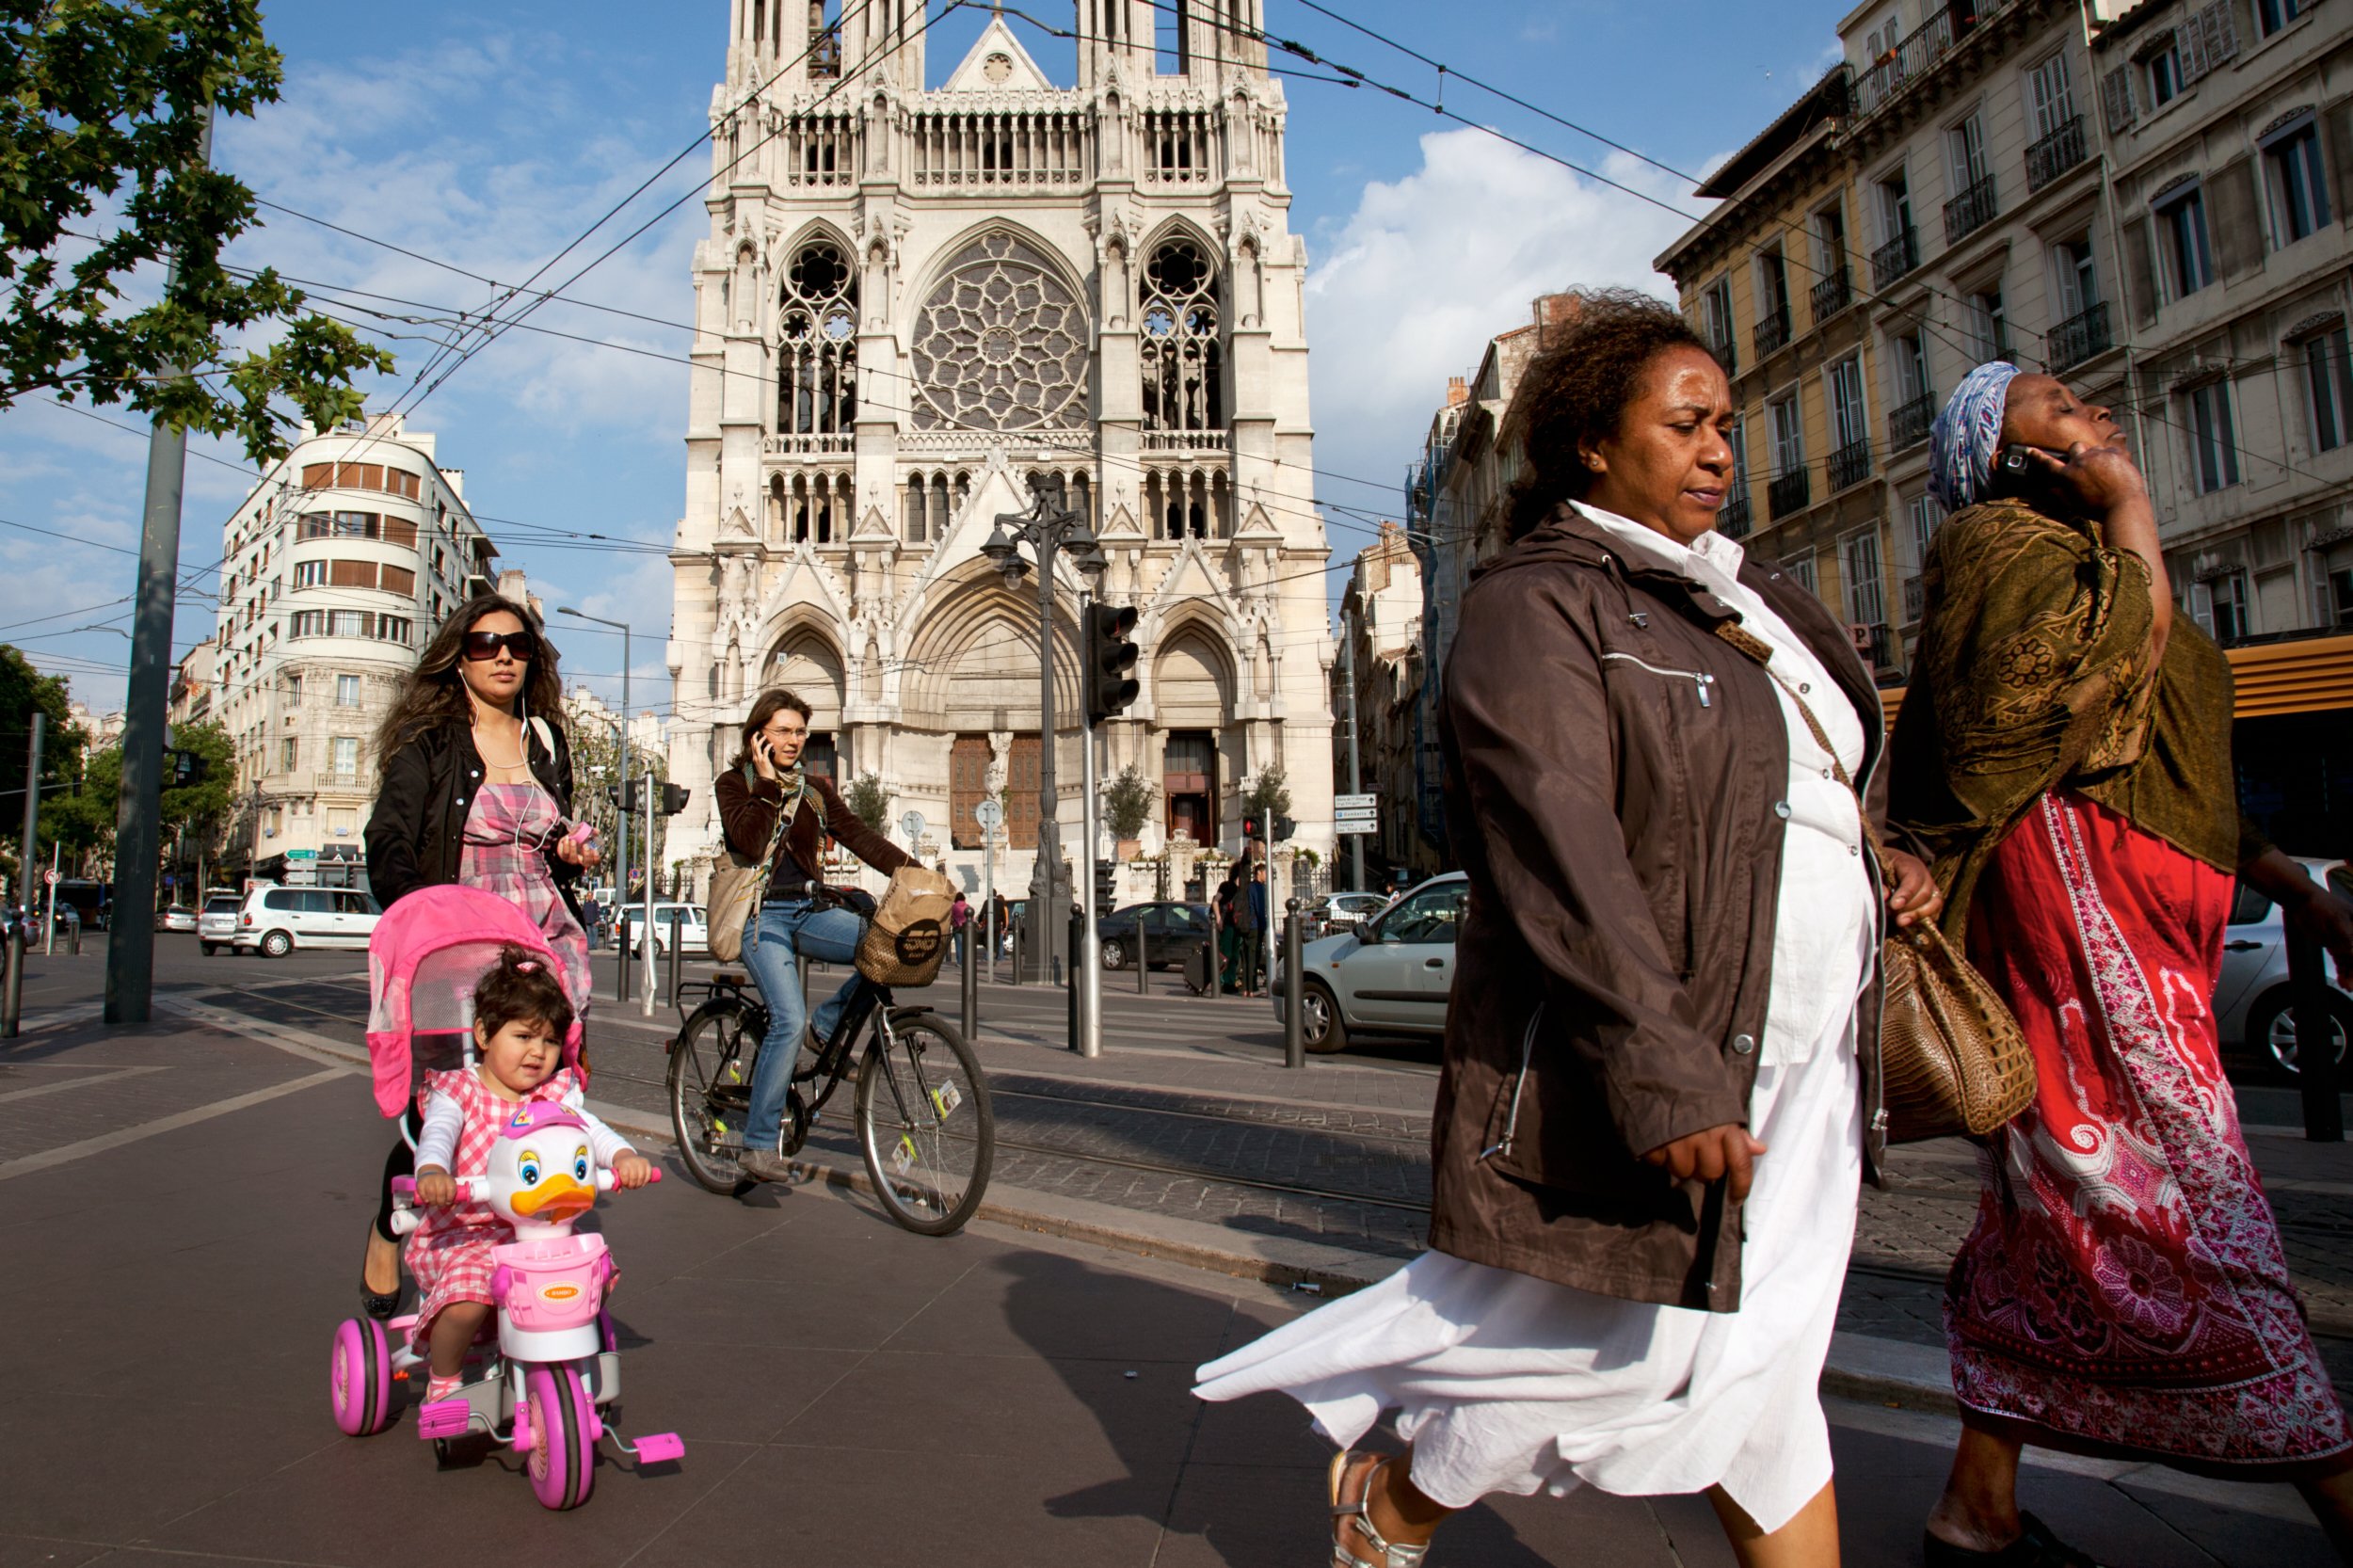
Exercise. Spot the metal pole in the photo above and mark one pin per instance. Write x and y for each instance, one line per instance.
(621, 837)
(131, 946)
(677, 950)
(49, 944)
(1144, 955)
(1087, 957)
(988, 901)
(1074, 990)
(2315, 1040)
(1294, 1030)
(12, 986)
(648, 1006)
(1355, 776)
(1017, 949)
(971, 978)
(1042, 879)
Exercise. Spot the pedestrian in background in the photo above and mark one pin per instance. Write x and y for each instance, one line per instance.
(1250, 927)
(478, 788)
(2064, 751)
(592, 920)
(1661, 1058)
(1221, 911)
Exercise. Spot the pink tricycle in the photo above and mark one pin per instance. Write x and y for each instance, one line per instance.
(539, 1383)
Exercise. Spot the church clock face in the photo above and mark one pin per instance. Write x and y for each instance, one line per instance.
(1002, 344)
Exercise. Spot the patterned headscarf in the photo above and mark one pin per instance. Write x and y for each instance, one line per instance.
(1966, 436)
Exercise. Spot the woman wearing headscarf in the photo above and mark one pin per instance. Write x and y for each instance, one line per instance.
(1661, 1066)
(2064, 751)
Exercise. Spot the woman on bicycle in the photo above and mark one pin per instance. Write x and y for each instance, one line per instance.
(773, 810)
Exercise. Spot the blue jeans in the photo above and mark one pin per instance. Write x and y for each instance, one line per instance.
(784, 929)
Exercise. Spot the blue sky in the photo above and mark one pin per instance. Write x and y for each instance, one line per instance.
(486, 135)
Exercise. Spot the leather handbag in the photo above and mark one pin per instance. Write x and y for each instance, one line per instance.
(735, 887)
(1953, 1061)
(906, 940)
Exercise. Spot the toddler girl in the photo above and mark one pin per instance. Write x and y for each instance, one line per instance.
(520, 1016)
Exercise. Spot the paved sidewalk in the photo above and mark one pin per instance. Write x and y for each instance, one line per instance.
(849, 1393)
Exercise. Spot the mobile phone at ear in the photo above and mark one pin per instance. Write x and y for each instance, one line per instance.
(2015, 471)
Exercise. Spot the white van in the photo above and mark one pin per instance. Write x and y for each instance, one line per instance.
(276, 920)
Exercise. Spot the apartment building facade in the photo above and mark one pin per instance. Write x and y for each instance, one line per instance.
(335, 569)
(1378, 681)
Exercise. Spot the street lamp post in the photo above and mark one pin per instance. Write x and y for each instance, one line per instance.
(621, 838)
(1046, 528)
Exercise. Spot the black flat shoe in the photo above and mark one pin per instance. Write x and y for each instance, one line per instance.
(2036, 1547)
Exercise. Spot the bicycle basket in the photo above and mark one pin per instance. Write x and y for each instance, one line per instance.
(908, 939)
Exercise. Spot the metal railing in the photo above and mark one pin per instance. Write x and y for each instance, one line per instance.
(1732, 517)
(1772, 332)
(1874, 643)
(1832, 296)
(2056, 154)
(1850, 464)
(1907, 423)
(1727, 353)
(1911, 57)
(1969, 211)
(1895, 257)
(2080, 336)
(1788, 493)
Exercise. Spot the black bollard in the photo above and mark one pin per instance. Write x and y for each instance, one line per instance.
(971, 978)
(1294, 1030)
(1143, 957)
(2316, 1070)
(678, 950)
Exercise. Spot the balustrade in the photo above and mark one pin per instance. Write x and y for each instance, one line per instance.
(2056, 154)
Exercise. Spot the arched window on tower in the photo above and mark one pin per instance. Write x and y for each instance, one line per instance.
(1183, 361)
(817, 349)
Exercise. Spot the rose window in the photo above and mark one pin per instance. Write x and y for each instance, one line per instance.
(1002, 344)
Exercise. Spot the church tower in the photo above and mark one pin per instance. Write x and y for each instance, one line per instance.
(917, 307)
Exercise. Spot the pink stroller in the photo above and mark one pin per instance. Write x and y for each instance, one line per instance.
(542, 1385)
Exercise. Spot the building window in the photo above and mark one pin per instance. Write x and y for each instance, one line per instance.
(1989, 324)
(346, 690)
(2299, 195)
(2053, 99)
(1800, 570)
(2189, 259)
(2328, 389)
(343, 751)
(2272, 15)
(396, 628)
(2220, 606)
(2341, 597)
(289, 754)
(2078, 285)
(2214, 443)
(1715, 320)
(1922, 514)
(310, 574)
(1183, 361)
(1964, 150)
(1866, 594)
(2165, 74)
(1731, 519)
(817, 344)
(1189, 786)
(294, 691)
(1788, 436)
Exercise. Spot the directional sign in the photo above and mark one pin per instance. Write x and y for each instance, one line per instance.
(1356, 824)
(1354, 804)
(988, 814)
(302, 854)
(912, 825)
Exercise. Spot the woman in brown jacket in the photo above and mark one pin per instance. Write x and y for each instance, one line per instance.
(1661, 1067)
(771, 808)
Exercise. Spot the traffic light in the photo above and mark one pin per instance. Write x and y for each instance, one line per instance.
(624, 795)
(188, 767)
(1105, 875)
(1284, 828)
(1253, 826)
(1109, 656)
(674, 799)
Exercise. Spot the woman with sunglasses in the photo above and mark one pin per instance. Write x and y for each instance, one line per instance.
(478, 788)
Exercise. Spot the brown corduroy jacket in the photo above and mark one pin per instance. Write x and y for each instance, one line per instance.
(1614, 780)
(748, 814)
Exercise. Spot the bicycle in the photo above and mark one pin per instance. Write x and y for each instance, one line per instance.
(925, 1123)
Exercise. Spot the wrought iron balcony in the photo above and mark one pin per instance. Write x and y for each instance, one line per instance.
(1895, 257)
(1832, 296)
(1727, 353)
(1788, 493)
(1850, 464)
(1772, 332)
(2054, 155)
(1969, 211)
(1908, 426)
(1874, 643)
(1732, 517)
(2080, 336)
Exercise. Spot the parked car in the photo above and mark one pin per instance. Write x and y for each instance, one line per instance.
(275, 921)
(216, 923)
(1390, 976)
(177, 918)
(1347, 911)
(669, 919)
(1169, 933)
(2252, 1001)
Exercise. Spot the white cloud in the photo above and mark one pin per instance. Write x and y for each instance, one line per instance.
(1429, 267)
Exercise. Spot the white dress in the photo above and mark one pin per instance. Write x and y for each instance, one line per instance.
(1506, 1382)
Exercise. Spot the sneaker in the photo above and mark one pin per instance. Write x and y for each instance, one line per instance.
(765, 1165)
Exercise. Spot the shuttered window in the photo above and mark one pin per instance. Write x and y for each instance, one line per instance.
(397, 580)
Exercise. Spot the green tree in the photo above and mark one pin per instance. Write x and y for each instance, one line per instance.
(82, 817)
(596, 764)
(1268, 795)
(24, 691)
(870, 799)
(1128, 803)
(103, 106)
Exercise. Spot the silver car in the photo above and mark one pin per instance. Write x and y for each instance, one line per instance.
(216, 923)
(2250, 1003)
(1390, 976)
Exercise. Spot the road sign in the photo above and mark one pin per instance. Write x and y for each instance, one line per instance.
(50, 878)
(1357, 821)
(988, 814)
(302, 854)
(912, 825)
(1354, 804)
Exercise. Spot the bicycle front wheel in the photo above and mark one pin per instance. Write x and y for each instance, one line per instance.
(925, 1123)
(710, 1094)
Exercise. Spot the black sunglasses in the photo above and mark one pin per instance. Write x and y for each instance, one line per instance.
(486, 645)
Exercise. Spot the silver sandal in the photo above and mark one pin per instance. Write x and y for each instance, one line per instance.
(1359, 1514)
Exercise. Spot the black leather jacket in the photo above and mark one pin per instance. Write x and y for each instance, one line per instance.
(417, 832)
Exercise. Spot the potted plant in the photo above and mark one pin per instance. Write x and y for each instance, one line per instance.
(1126, 807)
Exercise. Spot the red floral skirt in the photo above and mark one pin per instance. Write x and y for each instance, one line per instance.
(2123, 1285)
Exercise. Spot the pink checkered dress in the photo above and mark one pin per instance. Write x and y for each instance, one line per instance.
(506, 829)
(449, 1251)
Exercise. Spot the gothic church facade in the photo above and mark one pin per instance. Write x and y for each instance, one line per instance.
(920, 307)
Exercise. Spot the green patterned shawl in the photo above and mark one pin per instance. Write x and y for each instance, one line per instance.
(2033, 671)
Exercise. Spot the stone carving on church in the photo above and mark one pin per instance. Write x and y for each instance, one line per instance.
(1001, 343)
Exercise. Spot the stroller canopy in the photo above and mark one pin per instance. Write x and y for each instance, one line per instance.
(429, 952)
